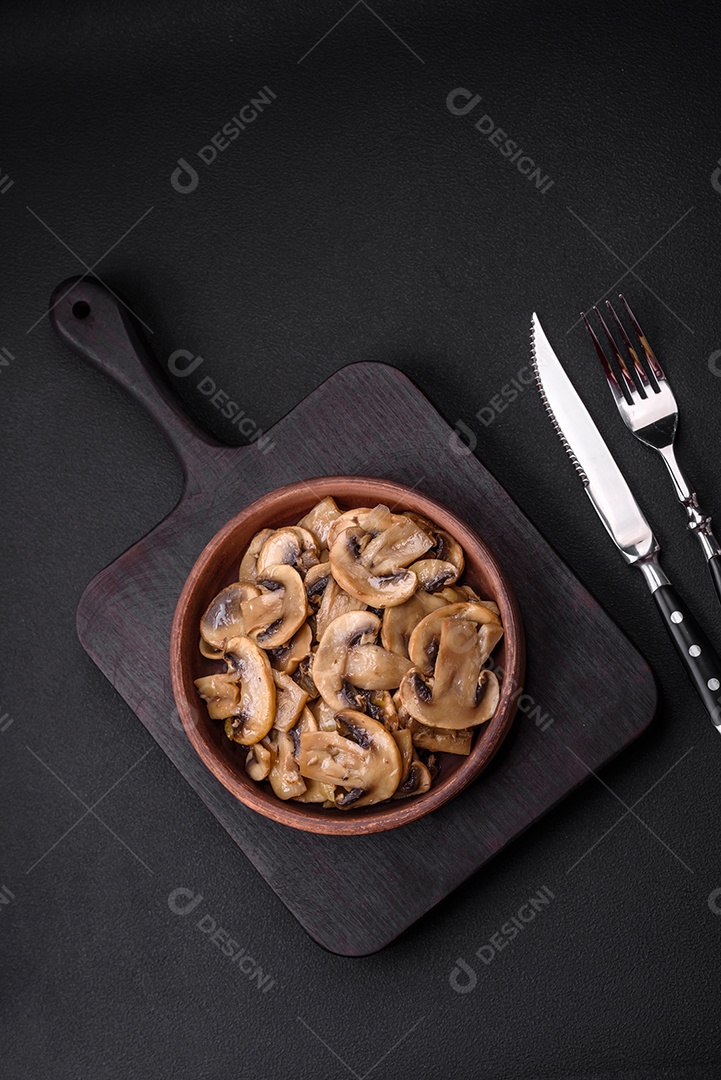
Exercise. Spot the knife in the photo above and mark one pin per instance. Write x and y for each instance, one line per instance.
(614, 503)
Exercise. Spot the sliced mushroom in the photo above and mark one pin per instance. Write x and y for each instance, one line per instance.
(441, 741)
(254, 714)
(247, 571)
(404, 742)
(355, 628)
(434, 574)
(380, 705)
(303, 675)
(399, 622)
(444, 547)
(287, 657)
(291, 546)
(324, 715)
(224, 617)
(423, 643)
(362, 757)
(373, 572)
(315, 582)
(370, 667)
(278, 612)
(258, 762)
(319, 520)
(347, 520)
(220, 694)
(416, 782)
(209, 651)
(463, 694)
(315, 791)
(284, 776)
(289, 701)
(336, 601)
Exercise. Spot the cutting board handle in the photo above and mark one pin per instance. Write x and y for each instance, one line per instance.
(97, 326)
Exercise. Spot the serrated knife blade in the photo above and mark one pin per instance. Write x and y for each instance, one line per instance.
(605, 484)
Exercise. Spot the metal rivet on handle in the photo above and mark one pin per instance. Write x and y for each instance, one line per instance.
(676, 616)
(713, 684)
(694, 650)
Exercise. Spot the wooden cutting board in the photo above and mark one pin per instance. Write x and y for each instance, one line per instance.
(356, 894)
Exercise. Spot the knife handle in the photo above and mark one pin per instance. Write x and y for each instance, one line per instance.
(698, 655)
(714, 565)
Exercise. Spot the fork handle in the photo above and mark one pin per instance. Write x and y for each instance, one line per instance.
(697, 654)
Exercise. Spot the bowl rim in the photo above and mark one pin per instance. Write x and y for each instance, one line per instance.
(383, 816)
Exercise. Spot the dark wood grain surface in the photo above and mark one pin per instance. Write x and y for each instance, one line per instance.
(588, 693)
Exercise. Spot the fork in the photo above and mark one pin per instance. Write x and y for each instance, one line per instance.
(648, 407)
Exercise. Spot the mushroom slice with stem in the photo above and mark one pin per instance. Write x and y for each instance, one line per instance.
(287, 657)
(423, 643)
(289, 701)
(258, 762)
(463, 694)
(361, 757)
(220, 694)
(290, 546)
(441, 741)
(284, 775)
(253, 717)
(355, 628)
(372, 574)
(278, 612)
(400, 622)
(319, 520)
(371, 667)
(223, 619)
(248, 564)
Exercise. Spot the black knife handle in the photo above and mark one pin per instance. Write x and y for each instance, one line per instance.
(714, 565)
(698, 655)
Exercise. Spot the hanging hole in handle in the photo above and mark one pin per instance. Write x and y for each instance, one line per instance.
(81, 309)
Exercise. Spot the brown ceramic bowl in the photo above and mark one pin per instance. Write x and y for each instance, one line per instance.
(217, 567)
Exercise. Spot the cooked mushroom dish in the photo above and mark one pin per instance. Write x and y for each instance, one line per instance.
(353, 656)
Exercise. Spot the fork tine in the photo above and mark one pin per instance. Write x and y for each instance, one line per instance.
(650, 355)
(628, 382)
(638, 366)
(608, 370)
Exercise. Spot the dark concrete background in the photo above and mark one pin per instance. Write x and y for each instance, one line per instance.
(355, 218)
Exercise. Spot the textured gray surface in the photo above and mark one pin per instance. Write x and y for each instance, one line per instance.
(357, 221)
